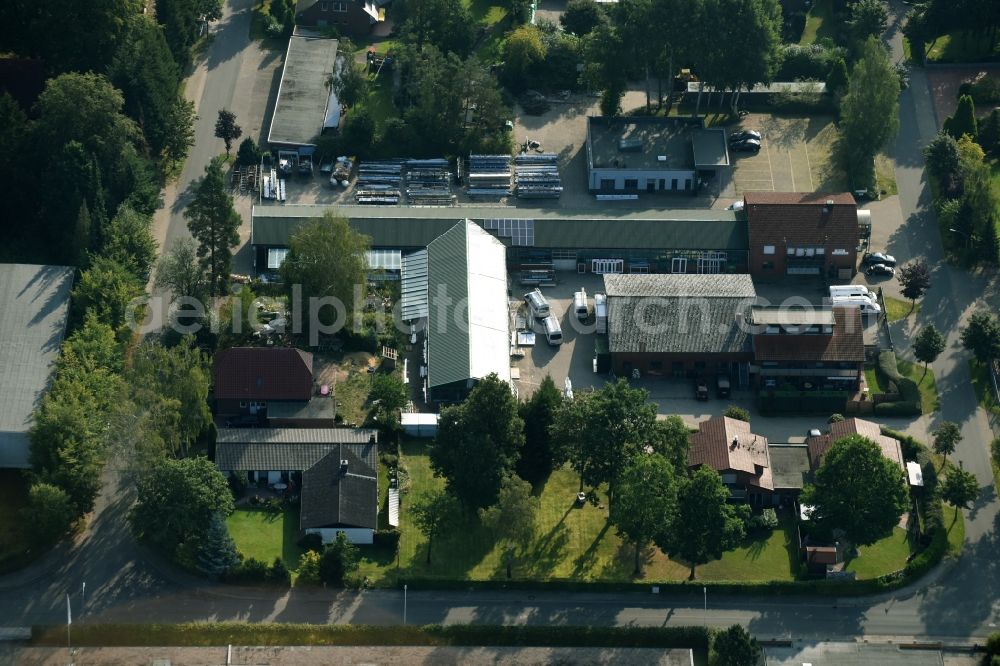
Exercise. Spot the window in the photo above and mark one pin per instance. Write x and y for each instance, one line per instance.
(324, 6)
(768, 249)
(564, 254)
(631, 183)
(767, 265)
(679, 265)
(339, 6)
(243, 404)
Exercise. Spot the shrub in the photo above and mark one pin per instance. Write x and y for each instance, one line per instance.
(984, 91)
(278, 574)
(387, 539)
(48, 514)
(808, 62)
(238, 485)
(993, 644)
(738, 413)
(339, 559)
(766, 520)
(888, 367)
(898, 408)
(308, 568)
(311, 542)
(995, 451)
(250, 570)
(835, 418)
(390, 460)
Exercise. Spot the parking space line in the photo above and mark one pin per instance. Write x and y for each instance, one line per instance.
(767, 151)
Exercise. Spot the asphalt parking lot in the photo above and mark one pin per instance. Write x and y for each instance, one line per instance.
(794, 156)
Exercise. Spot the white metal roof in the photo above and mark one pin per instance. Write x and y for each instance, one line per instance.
(489, 319)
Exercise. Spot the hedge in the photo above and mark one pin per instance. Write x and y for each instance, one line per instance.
(813, 61)
(909, 393)
(226, 633)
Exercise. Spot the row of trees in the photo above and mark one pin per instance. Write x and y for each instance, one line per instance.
(934, 18)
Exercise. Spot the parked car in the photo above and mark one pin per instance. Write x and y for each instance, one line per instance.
(880, 269)
(814, 432)
(722, 387)
(701, 389)
(746, 146)
(880, 258)
(736, 205)
(743, 135)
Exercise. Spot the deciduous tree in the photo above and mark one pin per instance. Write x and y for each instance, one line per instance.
(705, 524)
(227, 129)
(388, 395)
(129, 242)
(513, 518)
(179, 272)
(959, 488)
(108, 290)
(857, 489)
(646, 502)
(214, 224)
(48, 514)
(338, 560)
(735, 646)
(982, 337)
(946, 438)
(928, 345)
(537, 458)
(869, 18)
(432, 512)
(915, 280)
(580, 17)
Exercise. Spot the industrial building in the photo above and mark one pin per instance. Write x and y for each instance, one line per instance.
(307, 104)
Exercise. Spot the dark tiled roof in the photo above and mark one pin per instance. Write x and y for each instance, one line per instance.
(263, 373)
(801, 198)
(678, 313)
(292, 449)
(792, 219)
(846, 343)
(334, 498)
(818, 446)
(727, 445)
(296, 435)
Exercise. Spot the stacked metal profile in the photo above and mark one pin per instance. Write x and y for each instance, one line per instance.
(428, 182)
(538, 176)
(489, 176)
(379, 182)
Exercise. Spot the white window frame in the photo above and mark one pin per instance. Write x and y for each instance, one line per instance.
(679, 262)
(768, 249)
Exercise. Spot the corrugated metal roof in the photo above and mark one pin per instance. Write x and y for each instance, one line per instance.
(301, 110)
(403, 227)
(680, 285)
(34, 302)
(413, 301)
(468, 333)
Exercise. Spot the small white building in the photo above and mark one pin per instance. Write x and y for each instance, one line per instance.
(419, 425)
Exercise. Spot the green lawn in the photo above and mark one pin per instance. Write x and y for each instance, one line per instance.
(485, 13)
(265, 535)
(960, 46)
(819, 23)
(871, 380)
(954, 522)
(882, 557)
(352, 393)
(13, 497)
(928, 387)
(897, 308)
(571, 544)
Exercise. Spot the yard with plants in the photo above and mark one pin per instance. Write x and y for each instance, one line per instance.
(572, 543)
(898, 308)
(960, 46)
(265, 534)
(820, 23)
(883, 556)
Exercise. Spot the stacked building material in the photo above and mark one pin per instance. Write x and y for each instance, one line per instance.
(489, 176)
(428, 182)
(538, 176)
(379, 182)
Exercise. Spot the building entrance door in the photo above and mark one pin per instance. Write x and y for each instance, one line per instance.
(602, 266)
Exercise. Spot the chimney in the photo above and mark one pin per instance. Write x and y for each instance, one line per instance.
(343, 466)
(736, 443)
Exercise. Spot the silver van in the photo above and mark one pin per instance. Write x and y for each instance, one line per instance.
(841, 290)
(868, 307)
(580, 306)
(537, 304)
(553, 332)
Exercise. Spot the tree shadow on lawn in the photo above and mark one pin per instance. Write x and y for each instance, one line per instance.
(588, 558)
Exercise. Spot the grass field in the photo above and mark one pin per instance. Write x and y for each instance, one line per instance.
(352, 393)
(265, 535)
(960, 46)
(928, 387)
(897, 308)
(13, 497)
(819, 23)
(883, 556)
(954, 522)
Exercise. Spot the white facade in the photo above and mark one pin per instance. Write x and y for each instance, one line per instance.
(640, 180)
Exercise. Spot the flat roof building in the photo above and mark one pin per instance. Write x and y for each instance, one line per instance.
(652, 154)
(34, 301)
(306, 103)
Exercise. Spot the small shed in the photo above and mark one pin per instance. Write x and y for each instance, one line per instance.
(420, 425)
(915, 474)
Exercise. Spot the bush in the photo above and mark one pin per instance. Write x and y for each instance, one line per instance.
(993, 644)
(909, 391)
(835, 418)
(888, 367)
(738, 413)
(278, 574)
(311, 542)
(390, 460)
(766, 520)
(308, 568)
(984, 91)
(238, 485)
(387, 539)
(338, 560)
(250, 570)
(48, 514)
(808, 62)
(995, 451)
(898, 408)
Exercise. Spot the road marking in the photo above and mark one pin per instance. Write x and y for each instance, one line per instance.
(767, 151)
(805, 144)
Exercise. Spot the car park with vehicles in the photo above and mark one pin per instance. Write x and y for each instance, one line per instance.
(743, 135)
(746, 146)
(880, 258)
(880, 270)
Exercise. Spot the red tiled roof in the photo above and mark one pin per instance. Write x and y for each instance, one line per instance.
(803, 198)
(726, 444)
(845, 344)
(818, 446)
(263, 373)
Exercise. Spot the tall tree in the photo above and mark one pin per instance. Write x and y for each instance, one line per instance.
(326, 257)
(129, 241)
(964, 120)
(602, 69)
(351, 83)
(181, 21)
(982, 337)
(857, 489)
(959, 488)
(179, 131)
(338, 560)
(388, 395)
(869, 18)
(946, 438)
(444, 24)
(215, 224)
(513, 519)
(432, 512)
(217, 552)
(227, 129)
(915, 279)
(928, 345)
(580, 17)
(646, 502)
(734, 646)
(705, 524)
(869, 112)
(478, 443)
(179, 272)
(109, 290)
(537, 460)
(523, 51)
(752, 34)
(989, 133)
(176, 501)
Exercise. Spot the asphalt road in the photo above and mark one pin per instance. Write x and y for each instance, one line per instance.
(957, 602)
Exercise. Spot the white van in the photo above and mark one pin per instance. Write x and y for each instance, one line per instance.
(868, 307)
(841, 290)
(553, 332)
(537, 304)
(580, 306)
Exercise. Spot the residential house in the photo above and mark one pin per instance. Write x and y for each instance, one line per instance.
(808, 349)
(354, 18)
(275, 383)
(333, 469)
(34, 302)
(742, 458)
(680, 325)
(796, 233)
(890, 446)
